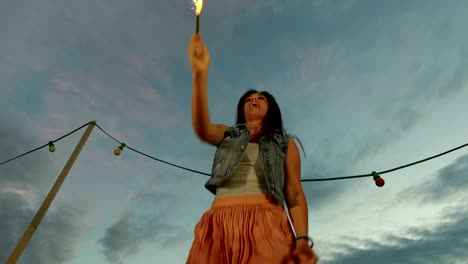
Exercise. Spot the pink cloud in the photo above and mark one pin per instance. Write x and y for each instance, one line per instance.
(150, 95)
(66, 86)
(49, 132)
(136, 64)
(305, 56)
(60, 117)
(118, 102)
(25, 194)
(153, 65)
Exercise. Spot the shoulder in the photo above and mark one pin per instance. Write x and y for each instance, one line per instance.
(292, 143)
(292, 146)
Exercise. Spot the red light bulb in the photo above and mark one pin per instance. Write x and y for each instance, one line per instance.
(379, 182)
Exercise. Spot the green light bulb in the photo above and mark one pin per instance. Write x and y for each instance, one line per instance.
(51, 147)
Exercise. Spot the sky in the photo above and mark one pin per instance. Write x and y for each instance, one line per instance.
(365, 84)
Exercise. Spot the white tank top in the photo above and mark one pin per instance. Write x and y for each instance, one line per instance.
(248, 178)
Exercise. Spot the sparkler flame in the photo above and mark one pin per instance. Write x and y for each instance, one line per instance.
(198, 6)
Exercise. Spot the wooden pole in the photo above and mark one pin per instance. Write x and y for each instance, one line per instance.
(50, 197)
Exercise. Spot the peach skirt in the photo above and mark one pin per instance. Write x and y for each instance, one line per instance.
(242, 229)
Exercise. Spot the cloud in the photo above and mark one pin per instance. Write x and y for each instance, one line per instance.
(156, 215)
(445, 242)
(119, 240)
(425, 243)
(53, 242)
(15, 139)
(451, 182)
(88, 98)
(25, 194)
(24, 183)
(145, 223)
(333, 7)
(90, 70)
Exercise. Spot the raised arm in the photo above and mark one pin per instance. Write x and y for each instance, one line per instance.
(199, 58)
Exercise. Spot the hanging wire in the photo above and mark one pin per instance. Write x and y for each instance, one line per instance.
(208, 174)
(386, 171)
(149, 156)
(303, 180)
(46, 145)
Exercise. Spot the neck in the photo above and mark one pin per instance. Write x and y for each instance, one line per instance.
(255, 127)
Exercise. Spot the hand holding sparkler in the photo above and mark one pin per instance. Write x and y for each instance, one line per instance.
(198, 55)
(198, 52)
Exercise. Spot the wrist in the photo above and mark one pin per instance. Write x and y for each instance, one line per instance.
(302, 243)
(307, 240)
(200, 73)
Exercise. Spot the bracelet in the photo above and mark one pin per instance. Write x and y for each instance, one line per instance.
(308, 238)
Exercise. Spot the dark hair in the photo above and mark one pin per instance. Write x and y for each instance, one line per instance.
(272, 122)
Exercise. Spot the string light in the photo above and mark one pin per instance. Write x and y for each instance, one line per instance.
(119, 149)
(376, 175)
(377, 179)
(46, 145)
(51, 146)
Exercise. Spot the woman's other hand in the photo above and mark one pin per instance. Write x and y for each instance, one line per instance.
(304, 254)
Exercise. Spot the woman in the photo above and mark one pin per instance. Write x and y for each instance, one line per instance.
(256, 171)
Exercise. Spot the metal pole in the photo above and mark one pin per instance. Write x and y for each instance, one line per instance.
(50, 197)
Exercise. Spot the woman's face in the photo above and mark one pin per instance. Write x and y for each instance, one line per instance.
(255, 107)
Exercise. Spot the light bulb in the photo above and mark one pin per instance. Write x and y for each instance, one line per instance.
(377, 179)
(51, 146)
(118, 150)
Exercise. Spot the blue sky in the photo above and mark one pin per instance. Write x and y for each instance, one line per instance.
(366, 85)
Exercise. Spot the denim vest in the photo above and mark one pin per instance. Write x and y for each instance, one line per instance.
(229, 153)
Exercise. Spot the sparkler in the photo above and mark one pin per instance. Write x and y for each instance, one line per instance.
(198, 9)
